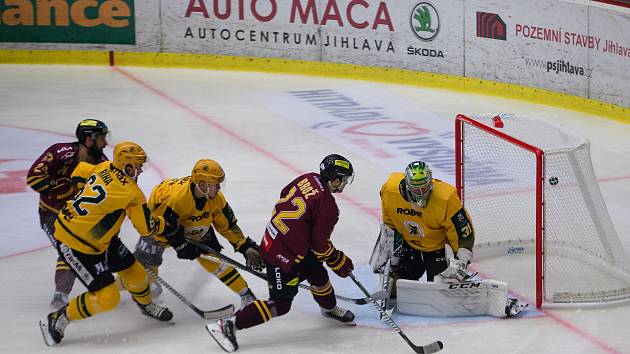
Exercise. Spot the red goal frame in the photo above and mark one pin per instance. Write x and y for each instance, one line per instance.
(460, 124)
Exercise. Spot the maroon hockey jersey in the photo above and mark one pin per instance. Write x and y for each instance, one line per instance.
(50, 175)
(302, 220)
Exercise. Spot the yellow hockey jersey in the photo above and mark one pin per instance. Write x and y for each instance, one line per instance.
(443, 220)
(173, 198)
(88, 222)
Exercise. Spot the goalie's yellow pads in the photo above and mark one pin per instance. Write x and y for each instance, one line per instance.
(469, 298)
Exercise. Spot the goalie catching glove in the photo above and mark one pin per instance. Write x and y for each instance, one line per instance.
(457, 267)
(249, 249)
(174, 234)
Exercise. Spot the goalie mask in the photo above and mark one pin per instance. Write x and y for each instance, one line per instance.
(418, 183)
(208, 177)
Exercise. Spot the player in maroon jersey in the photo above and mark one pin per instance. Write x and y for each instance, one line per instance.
(50, 177)
(295, 246)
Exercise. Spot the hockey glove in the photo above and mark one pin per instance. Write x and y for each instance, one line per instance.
(456, 271)
(340, 263)
(174, 235)
(464, 255)
(249, 249)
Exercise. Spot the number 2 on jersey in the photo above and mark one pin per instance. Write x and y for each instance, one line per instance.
(298, 202)
(80, 198)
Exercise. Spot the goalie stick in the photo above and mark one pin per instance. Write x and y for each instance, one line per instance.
(218, 257)
(208, 315)
(420, 349)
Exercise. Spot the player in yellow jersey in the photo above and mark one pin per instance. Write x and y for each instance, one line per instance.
(86, 231)
(426, 229)
(422, 216)
(196, 204)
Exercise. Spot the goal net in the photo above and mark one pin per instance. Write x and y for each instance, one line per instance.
(538, 213)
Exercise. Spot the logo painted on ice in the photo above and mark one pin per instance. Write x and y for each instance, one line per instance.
(12, 176)
(425, 21)
(516, 250)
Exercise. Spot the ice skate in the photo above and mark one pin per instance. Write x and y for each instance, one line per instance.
(53, 326)
(514, 307)
(340, 314)
(160, 313)
(224, 333)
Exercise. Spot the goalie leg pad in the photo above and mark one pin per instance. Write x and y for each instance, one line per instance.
(437, 299)
(383, 248)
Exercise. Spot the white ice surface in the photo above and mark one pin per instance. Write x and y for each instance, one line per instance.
(263, 138)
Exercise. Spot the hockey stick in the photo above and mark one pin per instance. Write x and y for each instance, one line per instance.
(421, 349)
(208, 315)
(220, 258)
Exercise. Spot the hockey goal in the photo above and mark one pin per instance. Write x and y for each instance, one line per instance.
(538, 212)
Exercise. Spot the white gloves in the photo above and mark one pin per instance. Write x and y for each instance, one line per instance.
(456, 270)
(457, 267)
(464, 255)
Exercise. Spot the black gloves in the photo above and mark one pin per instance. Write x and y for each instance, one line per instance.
(174, 234)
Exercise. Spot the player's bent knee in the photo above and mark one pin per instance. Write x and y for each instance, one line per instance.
(134, 278)
(281, 307)
(105, 299)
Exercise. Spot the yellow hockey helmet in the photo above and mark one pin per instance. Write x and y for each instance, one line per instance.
(128, 153)
(208, 171)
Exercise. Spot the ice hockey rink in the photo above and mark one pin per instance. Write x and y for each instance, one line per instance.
(264, 132)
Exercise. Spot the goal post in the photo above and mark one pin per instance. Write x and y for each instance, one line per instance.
(533, 197)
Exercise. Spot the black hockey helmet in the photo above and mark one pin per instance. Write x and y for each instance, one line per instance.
(336, 166)
(91, 128)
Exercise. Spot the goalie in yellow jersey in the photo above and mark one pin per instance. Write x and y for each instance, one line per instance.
(426, 229)
(197, 207)
(86, 235)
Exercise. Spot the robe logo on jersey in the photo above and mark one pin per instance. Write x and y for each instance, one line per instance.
(410, 212)
(205, 215)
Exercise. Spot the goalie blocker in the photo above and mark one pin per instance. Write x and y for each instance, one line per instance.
(469, 298)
